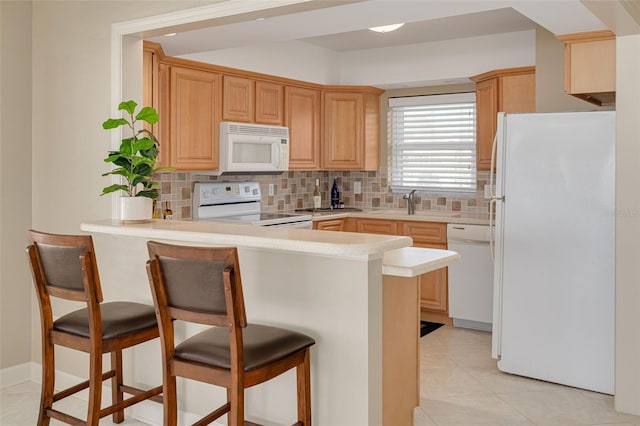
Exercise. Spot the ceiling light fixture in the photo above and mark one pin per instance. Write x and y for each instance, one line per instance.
(386, 28)
(170, 34)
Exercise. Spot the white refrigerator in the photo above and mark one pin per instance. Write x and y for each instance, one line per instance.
(554, 203)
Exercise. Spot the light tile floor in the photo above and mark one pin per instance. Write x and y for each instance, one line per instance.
(460, 386)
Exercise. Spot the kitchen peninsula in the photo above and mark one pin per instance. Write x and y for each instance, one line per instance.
(355, 294)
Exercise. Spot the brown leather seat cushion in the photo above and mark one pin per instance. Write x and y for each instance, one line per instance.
(118, 319)
(262, 345)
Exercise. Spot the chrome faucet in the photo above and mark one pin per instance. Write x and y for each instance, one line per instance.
(411, 202)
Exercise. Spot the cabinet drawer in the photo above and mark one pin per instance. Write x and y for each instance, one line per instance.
(377, 226)
(424, 233)
(329, 225)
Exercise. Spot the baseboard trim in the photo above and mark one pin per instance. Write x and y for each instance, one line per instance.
(15, 375)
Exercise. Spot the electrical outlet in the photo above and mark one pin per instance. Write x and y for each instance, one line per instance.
(272, 189)
(357, 188)
(488, 190)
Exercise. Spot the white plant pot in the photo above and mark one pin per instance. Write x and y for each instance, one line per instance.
(136, 209)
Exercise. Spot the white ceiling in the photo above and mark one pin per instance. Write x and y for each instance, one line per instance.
(341, 26)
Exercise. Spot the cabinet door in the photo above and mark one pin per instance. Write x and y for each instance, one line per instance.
(434, 291)
(195, 109)
(377, 226)
(424, 234)
(302, 117)
(151, 97)
(487, 108)
(329, 225)
(343, 131)
(269, 103)
(433, 285)
(238, 99)
(517, 93)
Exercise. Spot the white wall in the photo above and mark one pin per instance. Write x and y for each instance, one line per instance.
(15, 181)
(71, 99)
(438, 61)
(423, 62)
(292, 59)
(628, 225)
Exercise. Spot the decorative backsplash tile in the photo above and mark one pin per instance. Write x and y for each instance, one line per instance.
(294, 190)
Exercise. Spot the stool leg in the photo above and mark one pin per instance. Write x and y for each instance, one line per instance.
(116, 384)
(169, 399)
(95, 387)
(48, 382)
(235, 396)
(303, 376)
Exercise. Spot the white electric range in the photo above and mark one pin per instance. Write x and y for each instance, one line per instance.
(240, 202)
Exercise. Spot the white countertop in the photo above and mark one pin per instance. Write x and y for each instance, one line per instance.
(333, 244)
(401, 214)
(414, 261)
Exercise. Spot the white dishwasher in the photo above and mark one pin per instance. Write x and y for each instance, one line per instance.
(471, 279)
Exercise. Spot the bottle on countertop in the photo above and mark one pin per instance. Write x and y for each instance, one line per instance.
(167, 213)
(317, 198)
(156, 210)
(335, 194)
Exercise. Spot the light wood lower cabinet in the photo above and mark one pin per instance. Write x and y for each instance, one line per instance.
(329, 225)
(434, 290)
(377, 226)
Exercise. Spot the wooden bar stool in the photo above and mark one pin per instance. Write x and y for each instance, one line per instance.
(64, 266)
(203, 285)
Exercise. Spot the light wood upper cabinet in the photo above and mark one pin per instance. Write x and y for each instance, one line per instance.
(351, 134)
(506, 90)
(269, 107)
(151, 54)
(194, 104)
(302, 117)
(590, 66)
(238, 99)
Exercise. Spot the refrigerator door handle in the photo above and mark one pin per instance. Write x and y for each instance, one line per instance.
(493, 198)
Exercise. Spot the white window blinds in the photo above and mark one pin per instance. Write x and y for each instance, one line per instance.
(432, 142)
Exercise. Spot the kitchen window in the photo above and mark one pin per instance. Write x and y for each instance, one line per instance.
(432, 141)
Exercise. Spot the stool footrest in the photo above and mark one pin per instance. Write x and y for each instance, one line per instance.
(80, 386)
(141, 396)
(65, 418)
(213, 415)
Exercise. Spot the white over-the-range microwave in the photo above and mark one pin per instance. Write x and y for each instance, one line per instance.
(253, 148)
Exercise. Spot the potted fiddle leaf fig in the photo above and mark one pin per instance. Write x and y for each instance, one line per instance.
(135, 161)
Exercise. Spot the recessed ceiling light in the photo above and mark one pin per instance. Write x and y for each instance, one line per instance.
(386, 28)
(170, 34)
(259, 19)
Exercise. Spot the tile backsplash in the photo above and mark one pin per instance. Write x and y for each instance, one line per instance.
(294, 190)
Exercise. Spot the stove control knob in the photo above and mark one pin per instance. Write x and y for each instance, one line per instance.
(206, 194)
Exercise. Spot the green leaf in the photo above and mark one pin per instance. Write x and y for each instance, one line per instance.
(143, 169)
(149, 194)
(126, 147)
(163, 169)
(151, 153)
(129, 106)
(113, 188)
(142, 144)
(148, 114)
(112, 123)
